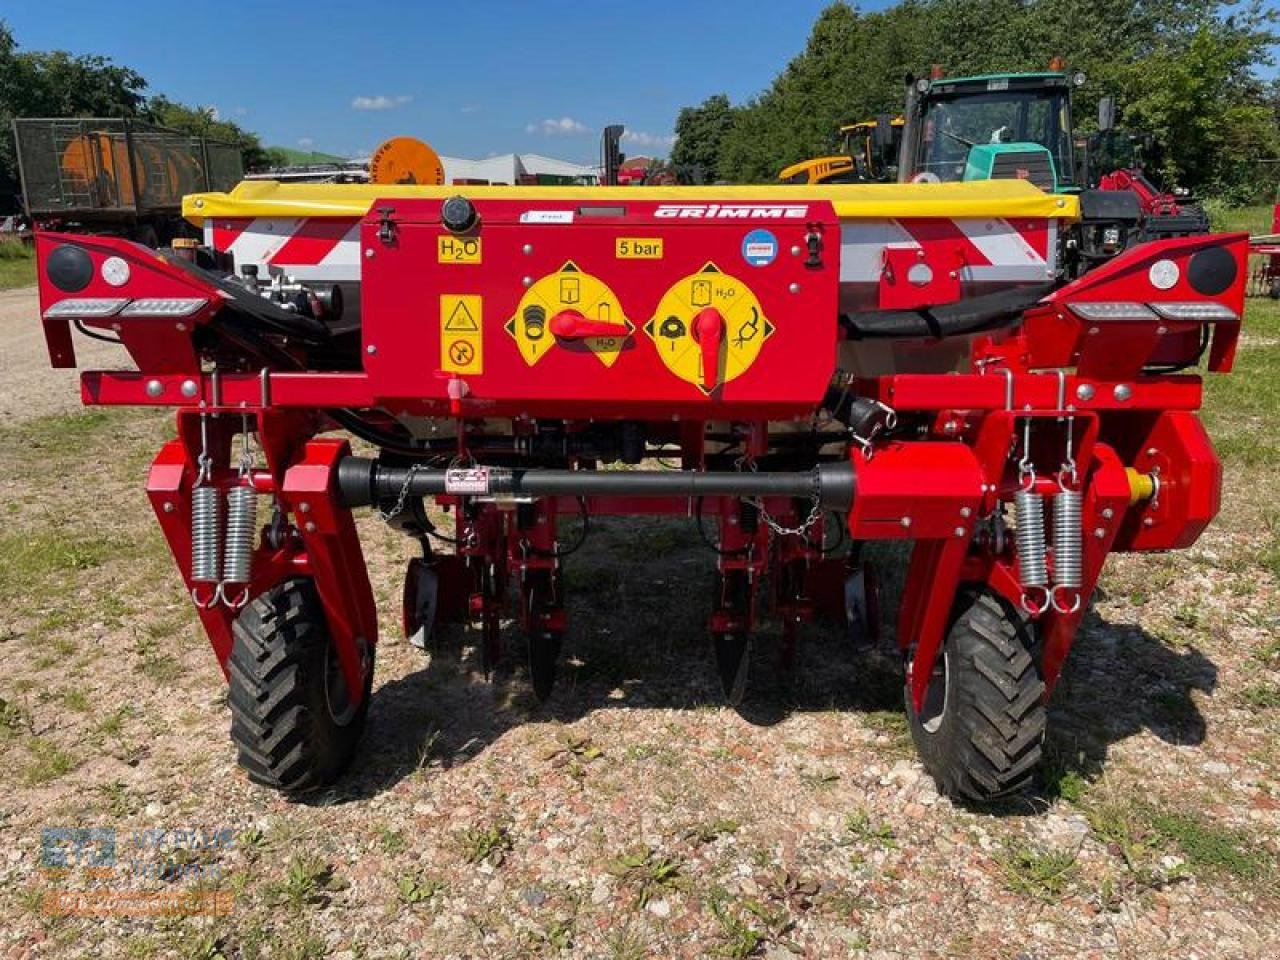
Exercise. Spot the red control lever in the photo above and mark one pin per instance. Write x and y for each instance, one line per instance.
(571, 325)
(708, 331)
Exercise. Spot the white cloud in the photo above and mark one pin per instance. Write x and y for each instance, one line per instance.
(306, 143)
(642, 139)
(469, 108)
(379, 102)
(564, 127)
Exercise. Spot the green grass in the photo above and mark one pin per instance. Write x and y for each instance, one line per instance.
(1254, 220)
(1241, 408)
(1036, 872)
(485, 844)
(17, 265)
(35, 562)
(1212, 847)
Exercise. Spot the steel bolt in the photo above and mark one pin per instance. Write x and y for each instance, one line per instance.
(1093, 331)
(527, 249)
(1162, 330)
(199, 203)
(1152, 451)
(950, 428)
(1122, 392)
(959, 531)
(154, 388)
(906, 521)
(1099, 532)
(1084, 391)
(311, 527)
(189, 388)
(1148, 522)
(966, 512)
(169, 507)
(368, 253)
(180, 326)
(527, 281)
(794, 288)
(1107, 513)
(371, 349)
(304, 507)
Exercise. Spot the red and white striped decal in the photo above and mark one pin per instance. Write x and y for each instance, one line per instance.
(991, 250)
(308, 248)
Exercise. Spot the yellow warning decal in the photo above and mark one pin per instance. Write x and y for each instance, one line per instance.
(462, 332)
(568, 310)
(739, 328)
(638, 248)
(458, 249)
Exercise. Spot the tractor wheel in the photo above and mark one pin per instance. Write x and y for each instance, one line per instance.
(1274, 292)
(980, 729)
(291, 719)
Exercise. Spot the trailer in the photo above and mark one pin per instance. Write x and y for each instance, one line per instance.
(894, 362)
(117, 175)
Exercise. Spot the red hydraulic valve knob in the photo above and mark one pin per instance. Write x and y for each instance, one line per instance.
(708, 331)
(571, 325)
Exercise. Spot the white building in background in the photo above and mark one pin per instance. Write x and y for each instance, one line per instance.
(510, 167)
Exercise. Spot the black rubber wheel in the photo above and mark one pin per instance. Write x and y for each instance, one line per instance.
(291, 718)
(1274, 292)
(981, 727)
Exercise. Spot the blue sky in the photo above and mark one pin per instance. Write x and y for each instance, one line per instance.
(471, 78)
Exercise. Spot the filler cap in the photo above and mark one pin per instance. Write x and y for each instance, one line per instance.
(458, 214)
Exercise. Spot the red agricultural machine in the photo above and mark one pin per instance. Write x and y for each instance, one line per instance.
(909, 362)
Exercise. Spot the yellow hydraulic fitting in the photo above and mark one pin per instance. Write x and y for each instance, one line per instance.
(1142, 486)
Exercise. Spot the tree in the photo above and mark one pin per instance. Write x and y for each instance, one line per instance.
(57, 84)
(699, 133)
(1184, 70)
(205, 122)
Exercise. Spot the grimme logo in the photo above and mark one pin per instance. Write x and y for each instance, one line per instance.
(735, 211)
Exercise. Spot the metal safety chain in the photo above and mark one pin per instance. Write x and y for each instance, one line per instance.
(815, 511)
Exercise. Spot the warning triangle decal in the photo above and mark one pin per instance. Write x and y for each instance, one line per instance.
(710, 268)
(461, 320)
(570, 267)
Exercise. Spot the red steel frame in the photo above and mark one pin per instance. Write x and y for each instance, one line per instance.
(941, 489)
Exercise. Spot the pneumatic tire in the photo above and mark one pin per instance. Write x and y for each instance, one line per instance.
(981, 728)
(291, 718)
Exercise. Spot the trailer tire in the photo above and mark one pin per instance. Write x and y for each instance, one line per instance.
(291, 720)
(981, 728)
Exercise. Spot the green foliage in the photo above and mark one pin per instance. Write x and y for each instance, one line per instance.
(1183, 70)
(205, 122)
(699, 132)
(38, 83)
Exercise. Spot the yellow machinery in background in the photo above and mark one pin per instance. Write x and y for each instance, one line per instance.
(869, 154)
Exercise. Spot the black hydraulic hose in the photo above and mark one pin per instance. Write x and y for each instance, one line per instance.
(363, 482)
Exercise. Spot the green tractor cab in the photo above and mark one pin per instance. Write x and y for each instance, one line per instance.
(991, 127)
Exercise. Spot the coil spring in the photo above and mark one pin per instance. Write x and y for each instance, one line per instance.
(1028, 517)
(242, 529)
(1068, 539)
(206, 529)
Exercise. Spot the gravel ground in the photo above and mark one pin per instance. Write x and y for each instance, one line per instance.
(634, 815)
